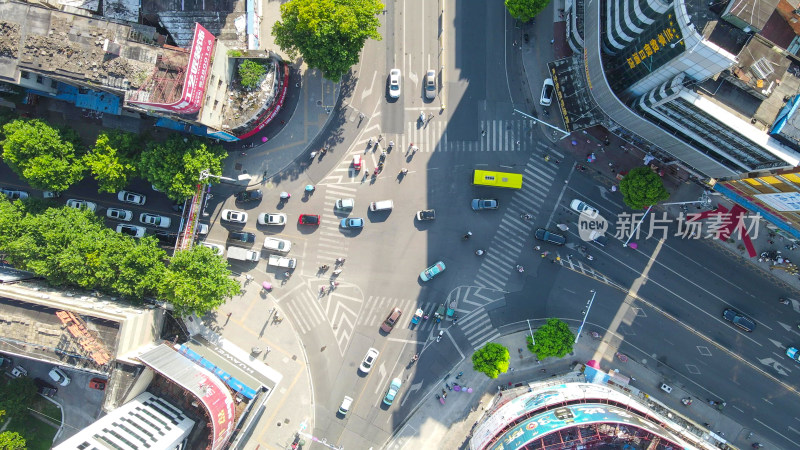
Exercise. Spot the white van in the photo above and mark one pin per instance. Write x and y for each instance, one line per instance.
(383, 205)
(345, 405)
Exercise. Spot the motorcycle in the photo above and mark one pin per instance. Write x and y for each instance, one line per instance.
(525, 216)
(422, 117)
(324, 267)
(784, 301)
(686, 401)
(439, 337)
(520, 269)
(479, 252)
(467, 236)
(339, 261)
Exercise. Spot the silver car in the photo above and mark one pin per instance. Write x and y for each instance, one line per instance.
(430, 85)
(155, 220)
(131, 197)
(119, 214)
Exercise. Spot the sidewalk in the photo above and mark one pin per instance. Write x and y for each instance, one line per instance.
(451, 425)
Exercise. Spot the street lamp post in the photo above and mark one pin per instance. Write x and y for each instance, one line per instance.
(636, 229)
(588, 307)
(565, 134)
(533, 341)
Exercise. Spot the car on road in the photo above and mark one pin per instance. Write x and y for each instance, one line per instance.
(242, 236)
(345, 406)
(97, 383)
(119, 214)
(357, 162)
(51, 194)
(583, 208)
(59, 376)
(218, 250)
(598, 237)
(78, 204)
(45, 388)
(272, 219)
(391, 393)
(369, 360)
(426, 214)
(738, 319)
(547, 236)
(202, 229)
(793, 353)
(253, 195)
(131, 197)
(166, 237)
(131, 230)
(154, 220)
(230, 215)
(278, 245)
(394, 83)
(18, 371)
(308, 219)
(391, 320)
(547, 92)
(484, 203)
(14, 194)
(432, 271)
(345, 204)
(430, 84)
(352, 222)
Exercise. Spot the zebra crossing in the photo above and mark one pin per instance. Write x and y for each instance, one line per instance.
(473, 320)
(330, 244)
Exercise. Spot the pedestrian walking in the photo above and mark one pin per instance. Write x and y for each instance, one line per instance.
(552, 41)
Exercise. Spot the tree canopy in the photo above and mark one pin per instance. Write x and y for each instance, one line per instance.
(492, 359)
(11, 440)
(329, 34)
(197, 281)
(552, 339)
(250, 73)
(112, 161)
(525, 10)
(174, 166)
(40, 154)
(642, 188)
(16, 395)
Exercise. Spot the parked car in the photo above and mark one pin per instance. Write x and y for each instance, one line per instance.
(253, 195)
(369, 360)
(345, 204)
(218, 250)
(484, 203)
(352, 222)
(583, 208)
(202, 229)
(97, 383)
(547, 236)
(78, 204)
(13, 194)
(51, 194)
(119, 214)
(278, 245)
(166, 237)
(394, 83)
(739, 319)
(45, 388)
(154, 220)
(357, 163)
(59, 376)
(18, 371)
(308, 219)
(547, 92)
(272, 219)
(391, 320)
(131, 197)
(242, 236)
(131, 230)
(432, 271)
(230, 215)
(391, 393)
(430, 84)
(345, 406)
(426, 214)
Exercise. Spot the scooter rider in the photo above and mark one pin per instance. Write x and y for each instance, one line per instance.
(468, 235)
(520, 269)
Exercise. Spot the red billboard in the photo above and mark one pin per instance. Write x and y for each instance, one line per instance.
(195, 83)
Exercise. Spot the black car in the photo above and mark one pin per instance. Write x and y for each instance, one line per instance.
(739, 319)
(242, 236)
(166, 237)
(553, 238)
(45, 388)
(254, 195)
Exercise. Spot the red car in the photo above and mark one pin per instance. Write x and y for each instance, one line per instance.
(357, 163)
(97, 383)
(308, 219)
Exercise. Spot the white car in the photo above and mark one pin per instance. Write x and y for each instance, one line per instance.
(394, 83)
(234, 216)
(272, 219)
(583, 208)
(547, 92)
(278, 245)
(345, 204)
(131, 230)
(430, 84)
(78, 204)
(59, 376)
(369, 360)
(13, 194)
(218, 250)
(202, 229)
(131, 197)
(155, 220)
(119, 214)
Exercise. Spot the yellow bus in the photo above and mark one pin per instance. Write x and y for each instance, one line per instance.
(497, 179)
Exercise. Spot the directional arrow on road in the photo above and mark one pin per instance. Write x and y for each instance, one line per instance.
(414, 387)
(788, 327)
(775, 365)
(778, 344)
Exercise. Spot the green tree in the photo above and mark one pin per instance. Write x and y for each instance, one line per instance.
(197, 281)
(174, 166)
(329, 34)
(16, 395)
(642, 188)
(250, 73)
(552, 339)
(492, 359)
(37, 152)
(525, 10)
(112, 160)
(11, 440)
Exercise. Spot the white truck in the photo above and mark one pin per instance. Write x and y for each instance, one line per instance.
(243, 254)
(282, 261)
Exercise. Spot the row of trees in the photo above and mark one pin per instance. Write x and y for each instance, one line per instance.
(74, 247)
(15, 396)
(54, 159)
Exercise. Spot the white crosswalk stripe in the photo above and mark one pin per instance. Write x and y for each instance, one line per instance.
(478, 328)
